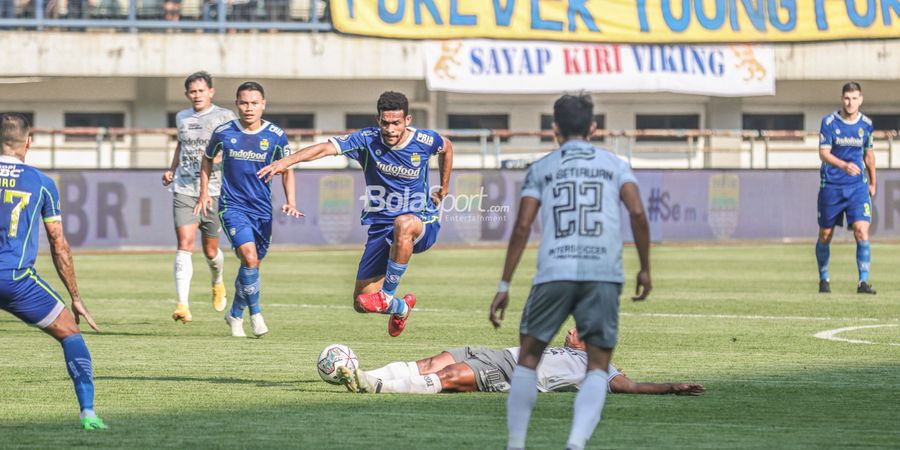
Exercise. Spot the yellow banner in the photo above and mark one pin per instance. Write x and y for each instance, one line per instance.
(621, 21)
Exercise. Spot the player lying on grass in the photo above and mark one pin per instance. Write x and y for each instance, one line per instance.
(471, 369)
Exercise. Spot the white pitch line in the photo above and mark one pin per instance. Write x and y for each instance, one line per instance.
(831, 335)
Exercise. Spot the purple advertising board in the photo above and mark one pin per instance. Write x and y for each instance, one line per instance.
(130, 208)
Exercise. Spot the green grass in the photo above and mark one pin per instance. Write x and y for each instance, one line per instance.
(739, 319)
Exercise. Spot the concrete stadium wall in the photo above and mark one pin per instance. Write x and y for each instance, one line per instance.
(131, 209)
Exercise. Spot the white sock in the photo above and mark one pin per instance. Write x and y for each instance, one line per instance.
(184, 271)
(427, 384)
(588, 406)
(521, 400)
(87, 413)
(393, 371)
(216, 265)
(413, 369)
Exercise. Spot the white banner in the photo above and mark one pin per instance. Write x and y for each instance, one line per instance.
(489, 66)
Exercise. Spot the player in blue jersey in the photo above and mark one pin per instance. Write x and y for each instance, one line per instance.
(245, 201)
(847, 183)
(578, 190)
(401, 209)
(29, 198)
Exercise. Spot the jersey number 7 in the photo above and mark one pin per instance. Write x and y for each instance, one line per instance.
(19, 200)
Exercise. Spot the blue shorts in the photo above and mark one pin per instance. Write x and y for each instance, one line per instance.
(241, 228)
(375, 257)
(837, 201)
(28, 297)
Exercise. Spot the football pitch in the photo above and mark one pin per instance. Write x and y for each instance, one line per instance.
(739, 319)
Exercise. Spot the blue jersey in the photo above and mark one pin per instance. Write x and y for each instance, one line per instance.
(848, 142)
(27, 197)
(243, 154)
(396, 177)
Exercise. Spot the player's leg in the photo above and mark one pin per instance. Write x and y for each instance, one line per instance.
(186, 225)
(401, 369)
(247, 286)
(215, 259)
(546, 309)
(863, 256)
(33, 301)
(597, 318)
(830, 207)
(240, 233)
(367, 294)
(859, 215)
(263, 236)
(421, 236)
(184, 271)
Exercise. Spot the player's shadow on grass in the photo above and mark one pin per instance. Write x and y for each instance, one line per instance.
(212, 380)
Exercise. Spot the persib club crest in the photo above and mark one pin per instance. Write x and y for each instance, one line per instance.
(415, 159)
(264, 144)
(861, 132)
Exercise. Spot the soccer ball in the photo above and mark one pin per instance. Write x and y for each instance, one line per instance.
(334, 356)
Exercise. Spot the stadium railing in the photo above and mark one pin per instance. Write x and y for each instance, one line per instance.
(140, 15)
(126, 148)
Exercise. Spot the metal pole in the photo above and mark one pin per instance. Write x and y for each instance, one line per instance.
(132, 15)
(99, 139)
(482, 139)
(38, 13)
(690, 152)
(53, 149)
(497, 151)
(220, 16)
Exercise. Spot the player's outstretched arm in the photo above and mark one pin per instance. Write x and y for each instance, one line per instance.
(65, 268)
(290, 195)
(640, 230)
(311, 153)
(624, 385)
(445, 166)
(528, 209)
(169, 175)
(204, 202)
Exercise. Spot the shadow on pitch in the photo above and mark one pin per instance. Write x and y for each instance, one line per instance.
(212, 380)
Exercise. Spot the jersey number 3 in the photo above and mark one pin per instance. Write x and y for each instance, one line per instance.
(580, 200)
(19, 200)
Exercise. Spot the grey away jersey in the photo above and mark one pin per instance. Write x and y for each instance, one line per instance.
(194, 131)
(562, 369)
(578, 187)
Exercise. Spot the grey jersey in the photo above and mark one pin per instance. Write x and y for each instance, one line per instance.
(194, 131)
(578, 187)
(562, 369)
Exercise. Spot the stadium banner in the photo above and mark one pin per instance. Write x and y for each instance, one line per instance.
(621, 21)
(130, 209)
(489, 66)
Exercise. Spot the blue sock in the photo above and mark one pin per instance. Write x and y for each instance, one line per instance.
(392, 277)
(238, 303)
(78, 362)
(823, 253)
(249, 286)
(863, 258)
(397, 306)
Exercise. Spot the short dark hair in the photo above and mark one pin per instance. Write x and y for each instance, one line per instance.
(14, 130)
(198, 76)
(393, 101)
(851, 86)
(250, 86)
(573, 115)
